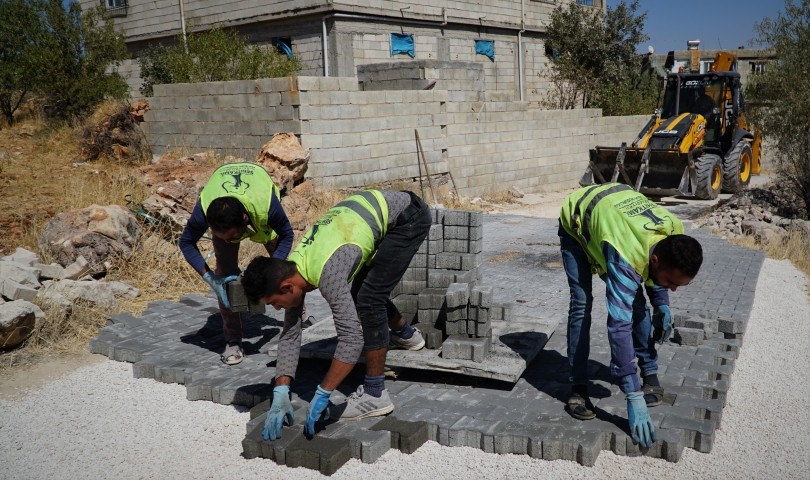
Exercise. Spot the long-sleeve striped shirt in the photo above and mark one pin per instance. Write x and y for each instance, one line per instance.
(623, 283)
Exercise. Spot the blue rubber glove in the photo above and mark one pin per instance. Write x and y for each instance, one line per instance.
(641, 426)
(318, 410)
(662, 324)
(280, 408)
(218, 282)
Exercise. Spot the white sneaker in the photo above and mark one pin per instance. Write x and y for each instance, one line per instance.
(416, 342)
(362, 405)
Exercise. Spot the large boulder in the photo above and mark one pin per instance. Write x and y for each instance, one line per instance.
(100, 294)
(17, 322)
(96, 233)
(285, 160)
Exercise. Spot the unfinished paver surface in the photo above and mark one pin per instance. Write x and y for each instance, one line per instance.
(180, 342)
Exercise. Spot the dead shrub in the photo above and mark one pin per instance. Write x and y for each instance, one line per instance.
(112, 132)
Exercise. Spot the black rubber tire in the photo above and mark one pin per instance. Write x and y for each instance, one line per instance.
(734, 169)
(708, 166)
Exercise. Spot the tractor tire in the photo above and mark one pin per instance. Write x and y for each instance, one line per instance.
(709, 176)
(737, 167)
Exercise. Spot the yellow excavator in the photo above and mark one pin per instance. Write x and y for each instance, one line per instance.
(697, 144)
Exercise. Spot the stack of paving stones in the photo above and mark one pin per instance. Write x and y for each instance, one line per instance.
(180, 342)
(449, 260)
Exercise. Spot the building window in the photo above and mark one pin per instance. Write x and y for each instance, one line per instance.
(706, 66)
(587, 3)
(757, 67)
(115, 8)
(401, 44)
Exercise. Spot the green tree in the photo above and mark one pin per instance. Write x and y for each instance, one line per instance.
(779, 98)
(82, 53)
(593, 60)
(212, 55)
(20, 53)
(60, 53)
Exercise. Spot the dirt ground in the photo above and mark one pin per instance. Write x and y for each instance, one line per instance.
(18, 382)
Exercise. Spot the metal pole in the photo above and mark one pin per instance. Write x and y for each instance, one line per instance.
(325, 47)
(183, 25)
(427, 172)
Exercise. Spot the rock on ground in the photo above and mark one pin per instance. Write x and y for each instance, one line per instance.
(17, 321)
(95, 293)
(98, 233)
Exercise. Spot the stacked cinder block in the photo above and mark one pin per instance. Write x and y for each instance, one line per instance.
(441, 291)
(470, 338)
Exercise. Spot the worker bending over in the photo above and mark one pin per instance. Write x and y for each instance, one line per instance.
(355, 254)
(631, 243)
(240, 201)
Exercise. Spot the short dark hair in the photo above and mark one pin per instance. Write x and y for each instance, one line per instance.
(225, 213)
(263, 276)
(680, 252)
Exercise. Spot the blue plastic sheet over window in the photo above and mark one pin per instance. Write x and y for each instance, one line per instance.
(485, 47)
(401, 44)
(283, 47)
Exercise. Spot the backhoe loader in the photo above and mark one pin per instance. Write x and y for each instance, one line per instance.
(697, 144)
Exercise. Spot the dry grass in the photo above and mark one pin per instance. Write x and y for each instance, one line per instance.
(505, 256)
(795, 246)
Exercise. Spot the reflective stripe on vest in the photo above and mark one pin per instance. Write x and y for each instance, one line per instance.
(616, 214)
(372, 220)
(360, 220)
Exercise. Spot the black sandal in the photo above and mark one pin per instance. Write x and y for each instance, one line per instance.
(579, 405)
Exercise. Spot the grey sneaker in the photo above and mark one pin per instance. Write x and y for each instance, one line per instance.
(361, 405)
(416, 342)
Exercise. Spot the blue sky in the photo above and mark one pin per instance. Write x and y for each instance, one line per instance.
(729, 23)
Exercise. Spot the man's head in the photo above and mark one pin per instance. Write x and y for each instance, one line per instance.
(227, 218)
(274, 282)
(675, 261)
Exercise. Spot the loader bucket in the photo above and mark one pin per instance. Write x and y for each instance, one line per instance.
(661, 173)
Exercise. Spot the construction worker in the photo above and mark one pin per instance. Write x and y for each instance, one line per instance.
(355, 255)
(634, 245)
(240, 201)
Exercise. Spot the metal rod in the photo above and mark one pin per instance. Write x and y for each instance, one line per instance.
(455, 188)
(325, 47)
(183, 25)
(427, 172)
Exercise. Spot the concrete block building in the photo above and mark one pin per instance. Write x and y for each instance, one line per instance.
(334, 37)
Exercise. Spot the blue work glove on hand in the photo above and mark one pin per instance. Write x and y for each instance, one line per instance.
(218, 282)
(641, 426)
(662, 324)
(318, 410)
(280, 408)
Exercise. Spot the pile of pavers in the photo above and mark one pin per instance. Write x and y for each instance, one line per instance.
(180, 342)
(21, 273)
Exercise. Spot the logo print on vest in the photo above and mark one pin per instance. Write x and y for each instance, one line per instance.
(311, 237)
(237, 186)
(656, 223)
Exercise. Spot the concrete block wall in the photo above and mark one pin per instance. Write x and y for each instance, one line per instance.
(356, 138)
(365, 137)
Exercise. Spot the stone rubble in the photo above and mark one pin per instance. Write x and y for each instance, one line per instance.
(758, 212)
(24, 279)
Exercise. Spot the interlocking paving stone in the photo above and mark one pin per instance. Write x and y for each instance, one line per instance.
(180, 342)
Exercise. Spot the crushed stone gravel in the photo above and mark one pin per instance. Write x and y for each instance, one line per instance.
(99, 422)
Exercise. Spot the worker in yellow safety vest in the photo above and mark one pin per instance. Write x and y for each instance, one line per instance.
(355, 255)
(634, 245)
(239, 202)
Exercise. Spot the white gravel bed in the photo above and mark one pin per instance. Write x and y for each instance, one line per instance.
(99, 422)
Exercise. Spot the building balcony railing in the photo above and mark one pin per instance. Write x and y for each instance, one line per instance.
(115, 8)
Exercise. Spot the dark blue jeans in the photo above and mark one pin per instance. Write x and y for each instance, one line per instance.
(578, 270)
